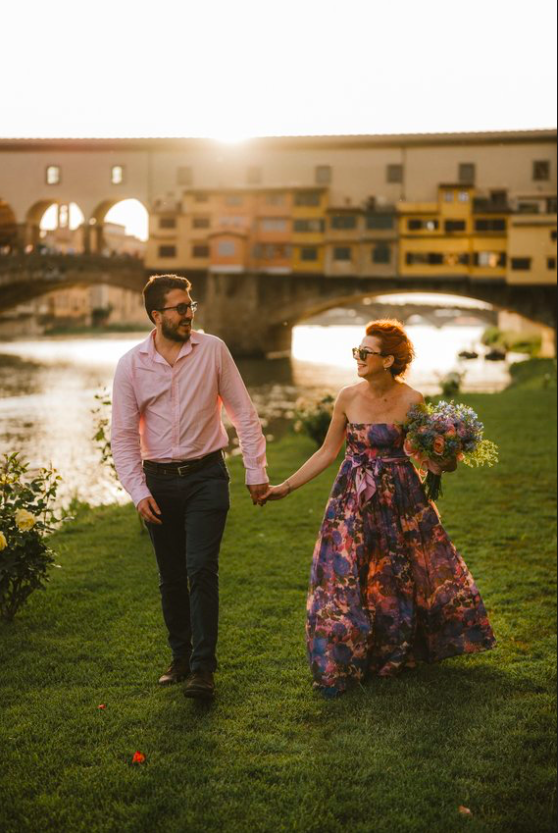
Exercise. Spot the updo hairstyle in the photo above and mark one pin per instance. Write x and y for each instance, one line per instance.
(395, 342)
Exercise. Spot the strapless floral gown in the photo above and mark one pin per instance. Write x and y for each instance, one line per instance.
(388, 587)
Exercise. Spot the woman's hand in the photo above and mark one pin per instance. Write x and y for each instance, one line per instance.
(446, 466)
(277, 492)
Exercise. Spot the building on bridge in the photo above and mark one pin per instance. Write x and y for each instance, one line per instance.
(283, 227)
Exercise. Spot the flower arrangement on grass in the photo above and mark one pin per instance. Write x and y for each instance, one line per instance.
(438, 436)
(314, 418)
(26, 520)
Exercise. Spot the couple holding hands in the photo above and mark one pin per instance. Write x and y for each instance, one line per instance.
(387, 587)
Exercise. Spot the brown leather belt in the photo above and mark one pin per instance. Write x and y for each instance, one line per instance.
(183, 468)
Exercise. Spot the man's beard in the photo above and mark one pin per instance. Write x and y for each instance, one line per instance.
(173, 333)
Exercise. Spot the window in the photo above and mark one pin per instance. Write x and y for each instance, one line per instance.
(554, 235)
(464, 196)
(184, 176)
(53, 175)
(308, 199)
(275, 199)
(201, 197)
(455, 225)
(552, 206)
(499, 199)
(280, 252)
(521, 264)
(344, 253)
(551, 263)
(423, 225)
(233, 221)
(309, 226)
(437, 259)
(381, 254)
(254, 175)
(167, 251)
(309, 253)
(234, 199)
(380, 221)
(117, 174)
(200, 251)
(467, 173)
(344, 221)
(424, 258)
(529, 207)
(490, 224)
(324, 175)
(448, 196)
(273, 224)
(490, 260)
(226, 248)
(394, 173)
(167, 222)
(201, 222)
(541, 170)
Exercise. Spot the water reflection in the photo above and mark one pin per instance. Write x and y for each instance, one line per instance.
(47, 390)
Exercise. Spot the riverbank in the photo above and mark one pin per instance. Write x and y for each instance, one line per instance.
(270, 755)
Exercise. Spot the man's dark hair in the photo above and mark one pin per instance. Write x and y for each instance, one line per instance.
(158, 287)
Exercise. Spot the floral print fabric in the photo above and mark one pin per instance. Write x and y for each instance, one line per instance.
(388, 587)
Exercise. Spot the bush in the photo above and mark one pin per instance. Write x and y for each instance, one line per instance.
(528, 343)
(451, 384)
(26, 520)
(314, 418)
(534, 374)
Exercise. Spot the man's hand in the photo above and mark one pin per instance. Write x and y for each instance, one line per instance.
(258, 493)
(149, 510)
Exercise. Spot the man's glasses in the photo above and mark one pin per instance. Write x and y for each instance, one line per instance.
(181, 309)
(362, 353)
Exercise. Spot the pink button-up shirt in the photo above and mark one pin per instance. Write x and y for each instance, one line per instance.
(165, 413)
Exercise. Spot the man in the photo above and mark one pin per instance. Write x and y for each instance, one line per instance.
(167, 443)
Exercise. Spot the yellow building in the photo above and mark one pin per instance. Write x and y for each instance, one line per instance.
(309, 227)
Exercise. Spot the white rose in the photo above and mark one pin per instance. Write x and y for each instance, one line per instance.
(25, 520)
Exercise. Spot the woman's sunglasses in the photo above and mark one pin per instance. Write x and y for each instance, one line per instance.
(362, 353)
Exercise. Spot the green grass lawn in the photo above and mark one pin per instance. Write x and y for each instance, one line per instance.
(270, 754)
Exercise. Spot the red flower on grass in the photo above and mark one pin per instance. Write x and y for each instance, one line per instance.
(139, 758)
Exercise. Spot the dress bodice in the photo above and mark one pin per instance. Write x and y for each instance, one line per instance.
(375, 440)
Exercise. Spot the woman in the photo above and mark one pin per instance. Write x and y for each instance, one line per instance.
(388, 588)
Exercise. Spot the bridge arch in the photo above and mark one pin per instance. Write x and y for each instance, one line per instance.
(127, 211)
(8, 227)
(57, 225)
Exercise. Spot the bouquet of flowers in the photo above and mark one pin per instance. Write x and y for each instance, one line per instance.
(443, 435)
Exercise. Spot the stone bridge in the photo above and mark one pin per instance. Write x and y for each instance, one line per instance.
(256, 313)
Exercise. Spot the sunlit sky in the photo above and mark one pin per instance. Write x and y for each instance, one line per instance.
(250, 67)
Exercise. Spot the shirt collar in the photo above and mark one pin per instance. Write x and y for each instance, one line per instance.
(148, 347)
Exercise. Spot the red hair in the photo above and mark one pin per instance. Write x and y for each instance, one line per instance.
(395, 342)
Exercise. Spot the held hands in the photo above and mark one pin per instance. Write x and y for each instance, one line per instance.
(272, 493)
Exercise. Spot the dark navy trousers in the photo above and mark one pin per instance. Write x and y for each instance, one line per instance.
(194, 513)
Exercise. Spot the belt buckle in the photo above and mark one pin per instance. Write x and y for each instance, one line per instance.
(183, 470)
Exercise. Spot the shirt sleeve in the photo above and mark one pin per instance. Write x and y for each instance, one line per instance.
(244, 417)
(125, 436)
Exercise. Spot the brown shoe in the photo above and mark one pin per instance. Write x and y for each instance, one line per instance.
(177, 673)
(200, 686)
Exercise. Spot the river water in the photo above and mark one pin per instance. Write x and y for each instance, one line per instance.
(48, 387)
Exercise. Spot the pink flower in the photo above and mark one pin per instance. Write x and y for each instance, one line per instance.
(452, 431)
(439, 445)
(410, 449)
